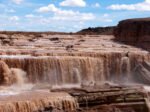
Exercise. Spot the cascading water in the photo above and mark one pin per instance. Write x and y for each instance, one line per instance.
(125, 71)
(60, 71)
(125, 66)
(73, 70)
(66, 71)
(11, 76)
(20, 76)
(16, 94)
(38, 101)
(13, 80)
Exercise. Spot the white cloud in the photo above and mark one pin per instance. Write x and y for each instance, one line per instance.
(143, 6)
(106, 18)
(49, 8)
(74, 16)
(106, 15)
(70, 15)
(32, 16)
(2, 5)
(17, 1)
(96, 5)
(10, 10)
(148, 1)
(29, 16)
(14, 18)
(73, 3)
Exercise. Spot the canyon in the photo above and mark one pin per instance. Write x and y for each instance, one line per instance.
(69, 72)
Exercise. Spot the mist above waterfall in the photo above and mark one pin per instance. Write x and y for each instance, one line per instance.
(13, 80)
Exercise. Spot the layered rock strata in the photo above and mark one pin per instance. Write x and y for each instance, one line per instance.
(134, 31)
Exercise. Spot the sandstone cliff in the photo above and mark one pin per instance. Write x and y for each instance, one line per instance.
(134, 31)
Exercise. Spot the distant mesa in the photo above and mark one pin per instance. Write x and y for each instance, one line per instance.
(98, 31)
(88, 31)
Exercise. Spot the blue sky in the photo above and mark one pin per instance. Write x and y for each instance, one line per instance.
(68, 15)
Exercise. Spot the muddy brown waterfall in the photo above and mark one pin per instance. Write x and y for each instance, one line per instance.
(9, 76)
(74, 69)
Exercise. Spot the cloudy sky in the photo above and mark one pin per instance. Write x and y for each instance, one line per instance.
(68, 15)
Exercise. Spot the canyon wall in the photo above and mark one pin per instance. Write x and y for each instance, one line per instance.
(134, 31)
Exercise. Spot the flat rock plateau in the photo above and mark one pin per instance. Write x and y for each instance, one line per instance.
(77, 72)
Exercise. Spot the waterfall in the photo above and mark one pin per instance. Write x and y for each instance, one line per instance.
(125, 75)
(125, 66)
(38, 102)
(73, 70)
(61, 70)
(9, 76)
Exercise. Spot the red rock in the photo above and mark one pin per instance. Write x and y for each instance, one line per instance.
(133, 30)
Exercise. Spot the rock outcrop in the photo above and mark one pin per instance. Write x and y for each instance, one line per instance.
(109, 98)
(134, 31)
(142, 73)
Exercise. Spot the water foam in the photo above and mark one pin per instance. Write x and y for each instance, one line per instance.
(66, 86)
